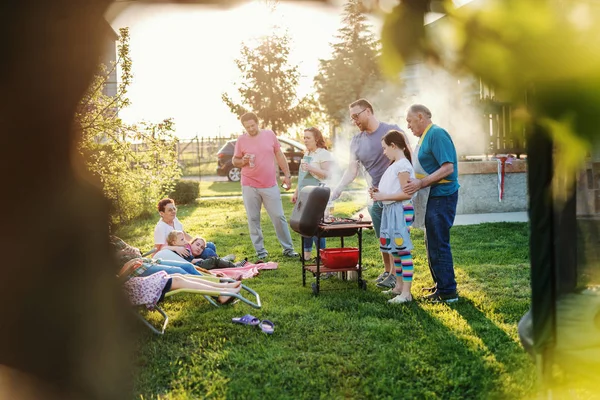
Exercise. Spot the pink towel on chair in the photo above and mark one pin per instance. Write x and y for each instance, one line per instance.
(247, 271)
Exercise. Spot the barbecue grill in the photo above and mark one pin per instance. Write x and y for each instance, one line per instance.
(309, 219)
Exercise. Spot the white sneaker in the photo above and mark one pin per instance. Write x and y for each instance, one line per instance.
(400, 299)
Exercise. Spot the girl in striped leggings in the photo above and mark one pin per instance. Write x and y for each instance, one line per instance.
(398, 213)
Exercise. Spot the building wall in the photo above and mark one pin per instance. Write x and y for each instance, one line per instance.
(588, 190)
(478, 193)
(109, 57)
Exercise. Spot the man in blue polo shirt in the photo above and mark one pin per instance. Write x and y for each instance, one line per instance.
(436, 166)
(365, 148)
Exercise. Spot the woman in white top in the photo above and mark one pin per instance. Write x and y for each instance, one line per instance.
(315, 168)
(167, 223)
(398, 213)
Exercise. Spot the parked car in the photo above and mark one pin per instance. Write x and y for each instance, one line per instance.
(294, 151)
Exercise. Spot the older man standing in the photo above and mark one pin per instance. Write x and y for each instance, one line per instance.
(436, 167)
(365, 148)
(255, 153)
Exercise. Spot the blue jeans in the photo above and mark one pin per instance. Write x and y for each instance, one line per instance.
(172, 267)
(209, 251)
(307, 243)
(439, 218)
(375, 211)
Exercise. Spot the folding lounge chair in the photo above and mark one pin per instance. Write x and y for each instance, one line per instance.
(207, 294)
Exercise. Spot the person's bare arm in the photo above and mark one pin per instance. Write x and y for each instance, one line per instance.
(415, 184)
(445, 170)
(349, 176)
(284, 166)
(240, 161)
(182, 251)
(282, 162)
(321, 173)
(378, 196)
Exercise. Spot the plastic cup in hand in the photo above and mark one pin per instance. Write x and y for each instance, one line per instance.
(304, 163)
(251, 158)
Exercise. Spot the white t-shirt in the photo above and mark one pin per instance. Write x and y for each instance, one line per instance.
(162, 230)
(319, 156)
(389, 182)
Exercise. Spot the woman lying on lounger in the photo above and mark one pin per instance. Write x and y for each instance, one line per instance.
(149, 290)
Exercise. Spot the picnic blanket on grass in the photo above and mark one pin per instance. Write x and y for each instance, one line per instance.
(247, 271)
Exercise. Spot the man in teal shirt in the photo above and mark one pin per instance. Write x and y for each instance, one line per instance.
(436, 166)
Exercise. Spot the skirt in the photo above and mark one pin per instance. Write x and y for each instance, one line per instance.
(396, 219)
(147, 290)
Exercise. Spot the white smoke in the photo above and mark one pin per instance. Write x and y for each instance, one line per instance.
(341, 154)
(452, 101)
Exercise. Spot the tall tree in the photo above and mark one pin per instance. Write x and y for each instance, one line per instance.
(268, 84)
(352, 71)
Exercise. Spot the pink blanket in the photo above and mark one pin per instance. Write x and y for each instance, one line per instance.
(247, 271)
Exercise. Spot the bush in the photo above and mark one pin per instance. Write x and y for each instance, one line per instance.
(135, 164)
(185, 191)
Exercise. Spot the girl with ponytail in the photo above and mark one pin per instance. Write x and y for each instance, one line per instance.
(397, 215)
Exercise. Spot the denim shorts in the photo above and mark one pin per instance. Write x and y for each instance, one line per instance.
(375, 211)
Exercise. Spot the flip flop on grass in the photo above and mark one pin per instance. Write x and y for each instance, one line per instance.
(246, 320)
(267, 326)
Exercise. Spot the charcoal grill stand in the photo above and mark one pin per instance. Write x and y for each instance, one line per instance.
(341, 231)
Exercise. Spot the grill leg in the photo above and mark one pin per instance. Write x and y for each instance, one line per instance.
(360, 284)
(303, 262)
(318, 287)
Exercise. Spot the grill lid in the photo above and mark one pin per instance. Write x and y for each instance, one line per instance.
(309, 209)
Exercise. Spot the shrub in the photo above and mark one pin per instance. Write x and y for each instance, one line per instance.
(185, 191)
(135, 164)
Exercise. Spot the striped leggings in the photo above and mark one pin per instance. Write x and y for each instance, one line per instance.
(403, 261)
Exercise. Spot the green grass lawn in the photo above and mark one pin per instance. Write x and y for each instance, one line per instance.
(226, 188)
(345, 343)
(205, 167)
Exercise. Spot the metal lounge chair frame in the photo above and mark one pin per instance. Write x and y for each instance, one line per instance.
(208, 295)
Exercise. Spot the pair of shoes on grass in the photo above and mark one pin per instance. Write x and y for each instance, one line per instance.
(388, 283)
(265, 325)
(382, 276)
(401, 299)
(437, 297)
(291, 253)
(430, 289)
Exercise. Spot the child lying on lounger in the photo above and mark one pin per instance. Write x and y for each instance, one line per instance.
(149, 290)
(196, 248)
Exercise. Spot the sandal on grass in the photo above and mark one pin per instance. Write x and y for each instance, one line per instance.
(246, 320)
(267, 326)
